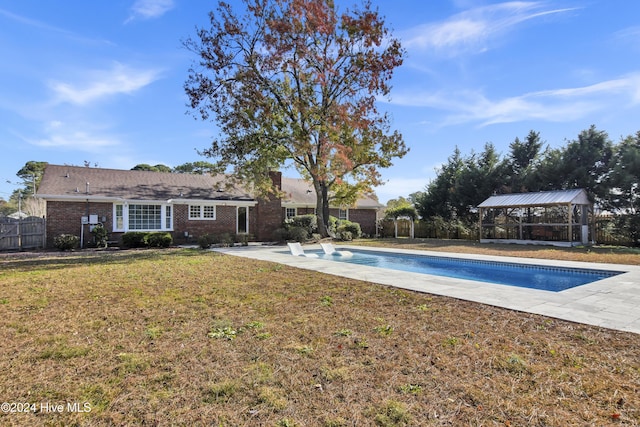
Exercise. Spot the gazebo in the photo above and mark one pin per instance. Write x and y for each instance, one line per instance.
(559, 218)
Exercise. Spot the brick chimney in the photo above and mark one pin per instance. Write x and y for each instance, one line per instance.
(269, 210)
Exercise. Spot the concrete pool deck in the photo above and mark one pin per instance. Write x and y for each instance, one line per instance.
(610, 303)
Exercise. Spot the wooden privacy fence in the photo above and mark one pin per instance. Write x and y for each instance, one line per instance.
(18, 234)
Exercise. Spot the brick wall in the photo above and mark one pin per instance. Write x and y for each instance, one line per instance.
(225, 222)
(366, 218)
(264, 218)
(66, 218)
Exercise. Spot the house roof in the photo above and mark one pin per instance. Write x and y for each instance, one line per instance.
(542, 198)
(82, 182)
(300, 193)
(77, 182)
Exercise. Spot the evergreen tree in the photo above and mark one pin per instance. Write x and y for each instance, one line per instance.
(586, 162)
(623, 181)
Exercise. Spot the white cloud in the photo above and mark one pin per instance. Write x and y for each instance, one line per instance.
(550, 105)
(103, 83)
(31, 22)
(73, 136)
(78, 140)
(40, 25)
(148, 9)
(472, 29)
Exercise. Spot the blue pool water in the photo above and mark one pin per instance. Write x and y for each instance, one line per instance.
(513, 274)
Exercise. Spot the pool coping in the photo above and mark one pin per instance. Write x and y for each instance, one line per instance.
(612, 303)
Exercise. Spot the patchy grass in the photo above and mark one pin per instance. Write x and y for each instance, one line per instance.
(183, 337)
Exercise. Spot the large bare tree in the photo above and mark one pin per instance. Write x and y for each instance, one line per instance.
(296, 82)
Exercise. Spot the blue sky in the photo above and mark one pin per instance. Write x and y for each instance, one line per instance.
(103, 81)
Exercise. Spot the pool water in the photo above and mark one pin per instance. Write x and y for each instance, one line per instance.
(546, 278)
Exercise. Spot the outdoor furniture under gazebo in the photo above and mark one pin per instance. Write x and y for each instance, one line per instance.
(559, 218)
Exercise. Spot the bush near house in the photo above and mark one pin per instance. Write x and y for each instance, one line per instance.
(302, 227)
(299, 234)
(142, 239)
(206, 240)
(159, 240)
(225, 239)
(100, 236)
(309, 223)
(66, 242)
(135, 239)
(347, 230)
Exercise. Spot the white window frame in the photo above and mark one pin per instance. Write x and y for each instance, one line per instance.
(343, 214)
(204, 209)
(121, 221)
(286, 212)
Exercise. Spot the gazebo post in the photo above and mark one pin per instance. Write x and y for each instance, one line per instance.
(520, 236)
(570, 226)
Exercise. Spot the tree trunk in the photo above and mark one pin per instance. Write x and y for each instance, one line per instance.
(322, 208)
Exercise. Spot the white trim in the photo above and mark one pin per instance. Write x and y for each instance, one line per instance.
(229, 202)
(85, 197)
(201, 214)
(79, 198)
(295, 212)
(125, 216)
(313, 206)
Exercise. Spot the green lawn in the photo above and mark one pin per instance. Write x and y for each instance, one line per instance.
(184, 337)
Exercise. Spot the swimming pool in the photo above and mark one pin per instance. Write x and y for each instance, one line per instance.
(541, 277)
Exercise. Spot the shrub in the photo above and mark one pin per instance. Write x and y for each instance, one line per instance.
(100, 236)
(159, 240)
(280, 235)
(142, 239)
(308, 222)
(345, 227)
(135, 239)
(206, 240)
(344, 235)
(227, 239)
(333, 225)
(298, 234)
(628, 227)
(66, 242)
(243, 239)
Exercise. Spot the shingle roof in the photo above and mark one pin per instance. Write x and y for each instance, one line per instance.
(74, 181)
(62, 182)
(299, 192)
(542, 198)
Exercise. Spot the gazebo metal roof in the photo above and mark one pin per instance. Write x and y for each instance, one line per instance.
(542, 198)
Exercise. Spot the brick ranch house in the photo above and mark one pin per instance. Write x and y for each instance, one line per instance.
(186, 205)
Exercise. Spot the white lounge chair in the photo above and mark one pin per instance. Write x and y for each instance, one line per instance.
(296, 250)
(330, 250)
